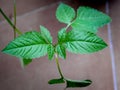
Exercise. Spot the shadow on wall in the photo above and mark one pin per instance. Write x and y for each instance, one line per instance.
(91, 3)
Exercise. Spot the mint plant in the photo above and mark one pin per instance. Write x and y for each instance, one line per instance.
(81, 39)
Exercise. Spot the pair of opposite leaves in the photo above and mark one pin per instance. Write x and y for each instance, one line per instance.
(81, 39)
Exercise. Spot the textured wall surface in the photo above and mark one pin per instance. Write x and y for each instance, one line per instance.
(115, 28)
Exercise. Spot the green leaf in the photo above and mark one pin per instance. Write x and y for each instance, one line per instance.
(65, 13)
(25, 62)
(83, 42)
(77, 83)
(29, 45)
(50, 51)
(46, 34)
(61, 50)
(90, 19)
(62, 35)
(83, 26)
(56, 81)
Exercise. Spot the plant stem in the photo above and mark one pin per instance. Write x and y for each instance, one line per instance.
(58, 66)
(68, 26)
(14, 18)
(9, 21)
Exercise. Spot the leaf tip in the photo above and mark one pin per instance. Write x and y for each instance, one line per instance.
(41, 27)
(78, 83)
(110, 19)
(105, 45)
(3, 50)
(25, 62)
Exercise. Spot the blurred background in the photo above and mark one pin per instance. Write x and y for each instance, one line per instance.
(97, 66)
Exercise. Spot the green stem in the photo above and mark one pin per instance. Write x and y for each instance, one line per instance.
(58, 66)
(14, 18)
(68, 26)
(9, 21)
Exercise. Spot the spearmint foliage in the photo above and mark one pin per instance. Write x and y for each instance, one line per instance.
(81, 39)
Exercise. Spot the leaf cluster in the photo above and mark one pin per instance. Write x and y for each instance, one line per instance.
(81, 39)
